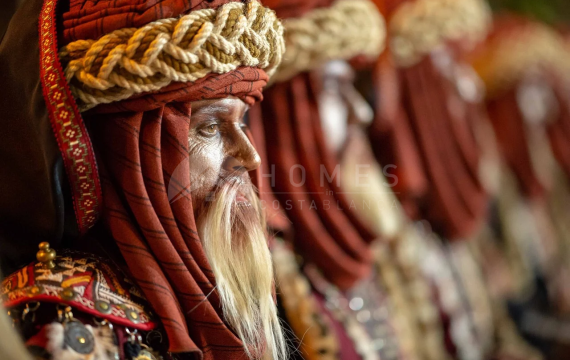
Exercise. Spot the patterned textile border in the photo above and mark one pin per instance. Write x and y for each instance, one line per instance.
(67, 124)
(52, 295)
(84, 283)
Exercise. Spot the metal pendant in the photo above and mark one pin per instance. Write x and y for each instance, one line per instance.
(78, 338)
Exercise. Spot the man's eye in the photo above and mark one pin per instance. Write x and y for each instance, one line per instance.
(210, 130)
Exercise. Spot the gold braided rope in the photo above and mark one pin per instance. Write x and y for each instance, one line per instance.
(133, 61)
(417, 28)
(507, 59)
(347, 29)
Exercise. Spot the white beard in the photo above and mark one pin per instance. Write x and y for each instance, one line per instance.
(235, 241)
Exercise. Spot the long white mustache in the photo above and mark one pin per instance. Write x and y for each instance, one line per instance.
(235, 241)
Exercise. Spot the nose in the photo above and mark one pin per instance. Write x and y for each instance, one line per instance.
(241, 155)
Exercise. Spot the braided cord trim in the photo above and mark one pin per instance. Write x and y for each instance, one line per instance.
(417, 28)
(347, 29)
(133, 61)
(508, 59)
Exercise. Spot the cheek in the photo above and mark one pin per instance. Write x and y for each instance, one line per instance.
(205, 159)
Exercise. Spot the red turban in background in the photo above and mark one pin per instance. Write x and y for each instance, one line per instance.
(276, 218)
(425, 128)
(333, 238)
(433, 147)
(142, 150)
(504, 109)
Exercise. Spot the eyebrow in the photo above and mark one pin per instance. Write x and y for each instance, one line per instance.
(222, 110)
(211, 110)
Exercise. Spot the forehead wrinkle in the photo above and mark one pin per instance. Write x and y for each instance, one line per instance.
(225, 112)
(215, 110)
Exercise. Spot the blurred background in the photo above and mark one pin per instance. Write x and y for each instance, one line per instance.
(553, 12)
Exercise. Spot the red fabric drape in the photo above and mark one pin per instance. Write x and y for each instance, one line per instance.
(277, 221)
(142, 146)
(288, 123)
(510, 131)
(504, 110)
(276, 218)
(559, 130)
(327, 232)
(392, 138)
(421, 116)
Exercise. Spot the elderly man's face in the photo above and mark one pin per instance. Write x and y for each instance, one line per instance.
(219, 148)
(231, 223)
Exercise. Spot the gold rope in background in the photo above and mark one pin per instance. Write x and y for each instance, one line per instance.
(347, 29)
(417, 28)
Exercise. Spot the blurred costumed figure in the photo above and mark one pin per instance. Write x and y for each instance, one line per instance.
(425, 134)
(526, 69)
(324, 267)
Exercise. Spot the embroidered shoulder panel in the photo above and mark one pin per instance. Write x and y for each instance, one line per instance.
(84, 282)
